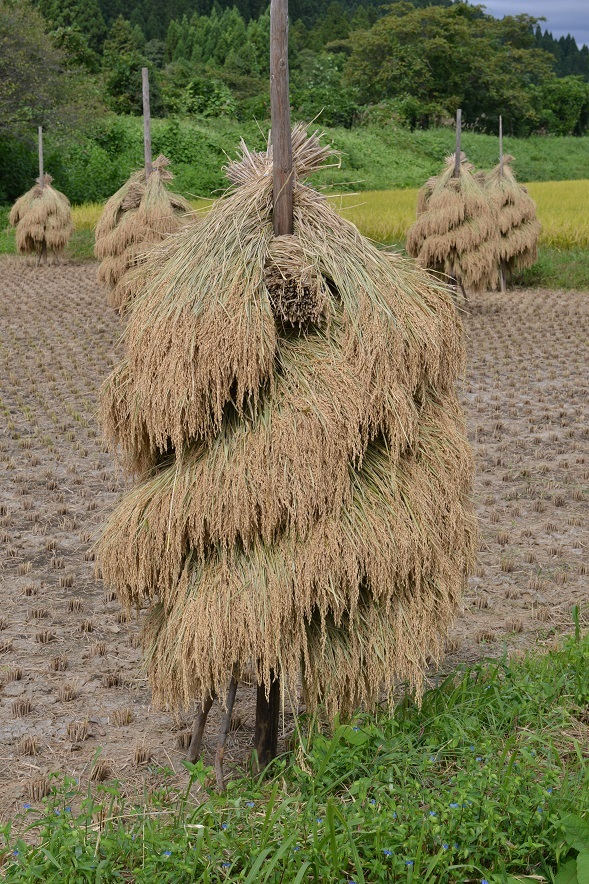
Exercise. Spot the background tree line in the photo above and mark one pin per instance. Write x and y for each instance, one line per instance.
(67, 64)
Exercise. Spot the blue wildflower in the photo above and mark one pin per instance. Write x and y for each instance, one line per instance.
(250, 804)
(432, 813)
(319, 819)
(444, 847)
(225, 865)
(167, 853)
(388, 852)
(223, 825)
(454, 804)
(409, 862)
(27, 806)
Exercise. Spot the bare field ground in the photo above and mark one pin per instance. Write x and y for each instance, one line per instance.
(71, 684)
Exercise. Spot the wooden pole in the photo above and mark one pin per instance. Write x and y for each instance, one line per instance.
(502, 280)
(501, 146)
(268, 708)
(41, 170)
(280, 112)
(458, 136)
(146, 122)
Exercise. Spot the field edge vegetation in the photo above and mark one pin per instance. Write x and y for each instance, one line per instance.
(487, 781)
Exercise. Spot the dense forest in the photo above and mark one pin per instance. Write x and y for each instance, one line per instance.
(71, 64)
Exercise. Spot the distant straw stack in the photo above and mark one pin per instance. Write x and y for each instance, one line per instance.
(43, 220)
(137, 217)
(303, 504)
(519, 227)
(456, 229)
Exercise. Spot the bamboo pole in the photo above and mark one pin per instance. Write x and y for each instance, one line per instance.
(146, 122)
(268, 704)
(458, 137)
(41, 169)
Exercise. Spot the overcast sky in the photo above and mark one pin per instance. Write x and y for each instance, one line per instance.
(562, 16)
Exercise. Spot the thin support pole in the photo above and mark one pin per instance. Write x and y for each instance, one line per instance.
(501, 147)
(268, 707)
(223, 731)
(502, 274)
(280, 112)
(458, 137)
(41, 169)
(199, 729)
(267, 720)
(146, 122)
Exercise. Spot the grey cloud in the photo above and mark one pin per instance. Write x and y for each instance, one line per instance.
(562, 18)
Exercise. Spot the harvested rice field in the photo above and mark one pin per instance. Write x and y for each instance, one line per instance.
(72, 693)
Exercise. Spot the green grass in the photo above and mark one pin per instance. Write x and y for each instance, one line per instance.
(373, 157)
(487, 781)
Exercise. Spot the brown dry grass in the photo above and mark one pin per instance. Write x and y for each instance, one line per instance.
(43, 219)
(307, 504)
(456, 231)
(519, 227)
(139, 215)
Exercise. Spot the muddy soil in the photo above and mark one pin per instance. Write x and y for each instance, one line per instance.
(71, 682)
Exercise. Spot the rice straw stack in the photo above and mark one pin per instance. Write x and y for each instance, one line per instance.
(519, 227)
(456, 230)
(138, 216)
(302, 502)
(43, 219)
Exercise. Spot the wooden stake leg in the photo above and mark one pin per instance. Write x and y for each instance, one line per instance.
(223, 731)
(502, 277)
(199, 729)
(267, 719)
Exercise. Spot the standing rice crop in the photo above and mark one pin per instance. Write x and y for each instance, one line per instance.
(43, 220)
(519, 227)
(456, 231)
(288, 405)
(139, 215)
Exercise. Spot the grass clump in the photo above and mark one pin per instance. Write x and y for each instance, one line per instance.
(487, 781)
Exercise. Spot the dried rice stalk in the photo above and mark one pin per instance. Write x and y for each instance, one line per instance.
(456, 229)
(139, 215)
(43, 219)
(519, 227)
(304, 498)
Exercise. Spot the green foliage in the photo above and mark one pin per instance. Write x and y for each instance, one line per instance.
(84, 16)
(482, 782)
(557, 269)
(37, 84)
(414, 52)
(122, 64)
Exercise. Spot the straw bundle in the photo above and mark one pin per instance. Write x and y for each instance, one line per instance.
(43, 219)
(519, 227)
(456, 229)
(303, 504)
(139, 215)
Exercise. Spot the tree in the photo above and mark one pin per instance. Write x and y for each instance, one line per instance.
(83, 15)
(122, 63)
(37, 83)
(452, 57)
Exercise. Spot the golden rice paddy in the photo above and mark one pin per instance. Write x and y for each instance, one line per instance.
(386, 215)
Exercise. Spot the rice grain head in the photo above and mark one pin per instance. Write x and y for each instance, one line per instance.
(139, 215)
(456, 231)
(303, 495)
(43, 219)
